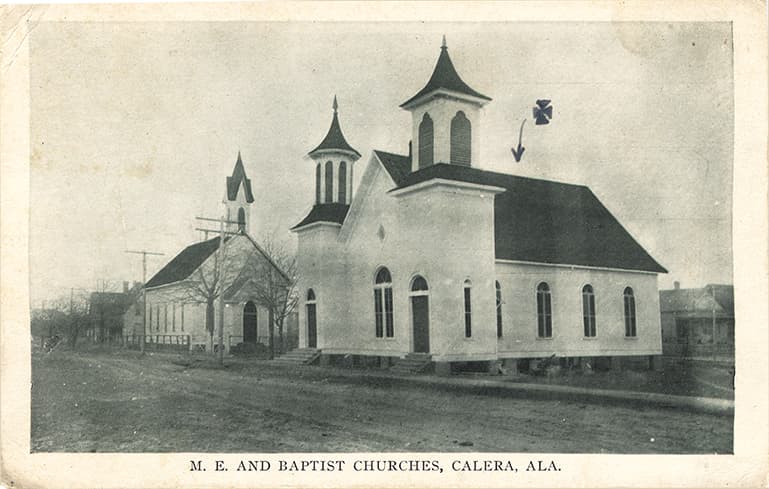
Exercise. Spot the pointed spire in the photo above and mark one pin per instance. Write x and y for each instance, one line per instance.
(445, 77)
(334, 139)
(238, 177)
(239, 159)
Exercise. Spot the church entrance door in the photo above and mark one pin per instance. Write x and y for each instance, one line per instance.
(420, 315)
(249, 323)
(312, 327)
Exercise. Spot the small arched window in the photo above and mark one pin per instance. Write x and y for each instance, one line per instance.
(588, 310)
(310, 295)
(426, 141)
(544, 311)
(419, 284)
(468, 310)
(317, 183)
(329, 183)
(383, 304)
(499, 308)
(241, 219)
(461, 139)
(629, 299)
(342, 182)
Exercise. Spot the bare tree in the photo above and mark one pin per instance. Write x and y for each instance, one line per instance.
(273, 285)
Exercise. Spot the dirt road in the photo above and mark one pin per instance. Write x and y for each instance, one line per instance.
(123, 403)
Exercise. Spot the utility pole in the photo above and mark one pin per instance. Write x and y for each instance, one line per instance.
(221, 272)
(144, 254)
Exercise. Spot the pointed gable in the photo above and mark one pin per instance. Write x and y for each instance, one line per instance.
(445, 77)
(234, 182)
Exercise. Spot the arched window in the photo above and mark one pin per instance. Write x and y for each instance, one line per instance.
(241, 219)
(342, 182)
(383, 303)
(419, 284)
(629, 299)
(461, 139)
(329, 183)
(499, 309)
(544, 312)
(588, 310)
(468, 310)
(310, 295)
(317, 183)
(426, 141)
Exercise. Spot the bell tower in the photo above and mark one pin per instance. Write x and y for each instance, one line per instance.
(334, 159)
(238, 199)
(445, 118)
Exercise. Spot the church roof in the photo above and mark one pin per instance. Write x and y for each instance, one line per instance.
(445, 77)
(185, 263)
(334, 138)
(398, 166)
(233, 182)
(543, 221)
(334, 213)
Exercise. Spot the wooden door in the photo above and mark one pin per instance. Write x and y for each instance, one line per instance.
(312, 327)
(249, 323)
(420, 311)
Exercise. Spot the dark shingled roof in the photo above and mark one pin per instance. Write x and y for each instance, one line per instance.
(185, 263)
(325, 213)
(398, 166)
(233, 182)
(334, 139)
(685, 300)
(548, 222)
(445, 76)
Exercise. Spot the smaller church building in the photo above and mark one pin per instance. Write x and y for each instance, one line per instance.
(436, 258)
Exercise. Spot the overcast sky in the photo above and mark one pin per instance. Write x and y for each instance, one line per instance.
(136, 125)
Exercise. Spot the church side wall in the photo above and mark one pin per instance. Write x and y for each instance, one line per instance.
(519, 311)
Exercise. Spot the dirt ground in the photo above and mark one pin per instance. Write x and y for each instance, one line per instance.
(122, 402)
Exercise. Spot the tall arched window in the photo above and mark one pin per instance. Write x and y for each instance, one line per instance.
(588, 310)
(629, 298)
(241, 219)
(342, 182)
(426, 141)
(312, 320)
(329, 183)
(310, 295)
(317, 183)
(461, 139)
(468, 310)
(499, 308)
(544, 312)
(383, 303)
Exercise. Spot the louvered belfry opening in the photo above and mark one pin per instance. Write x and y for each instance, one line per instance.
(426, 141)
(461, 139)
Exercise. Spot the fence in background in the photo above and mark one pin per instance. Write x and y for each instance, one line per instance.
(158, 342)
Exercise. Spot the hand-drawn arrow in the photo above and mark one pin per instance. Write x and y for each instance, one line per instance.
(518, 153)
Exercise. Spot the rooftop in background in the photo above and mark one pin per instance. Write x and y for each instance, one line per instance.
(718, 297)
(445, 77)
(186, 262)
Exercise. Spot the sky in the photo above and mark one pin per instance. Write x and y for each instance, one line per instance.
(135, 126)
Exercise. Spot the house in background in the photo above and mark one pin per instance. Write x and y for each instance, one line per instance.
(692, 318)
(435, 261)
(182, 298)
(109, 315)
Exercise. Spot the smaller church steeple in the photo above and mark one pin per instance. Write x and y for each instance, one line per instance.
(334, 159)
(238, 198)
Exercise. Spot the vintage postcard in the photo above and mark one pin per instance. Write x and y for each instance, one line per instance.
(384, 245)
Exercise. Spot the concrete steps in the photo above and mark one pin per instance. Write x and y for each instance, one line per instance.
(300, 356)
(413, 363)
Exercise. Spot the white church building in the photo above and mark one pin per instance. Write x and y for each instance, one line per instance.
(435, 258)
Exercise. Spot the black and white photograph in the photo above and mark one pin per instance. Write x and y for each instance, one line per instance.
(351, 251)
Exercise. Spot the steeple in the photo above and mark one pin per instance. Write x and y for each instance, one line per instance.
(334, 159)
(239, 198)
(445, 117)
(334, 140)
(445, 78)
